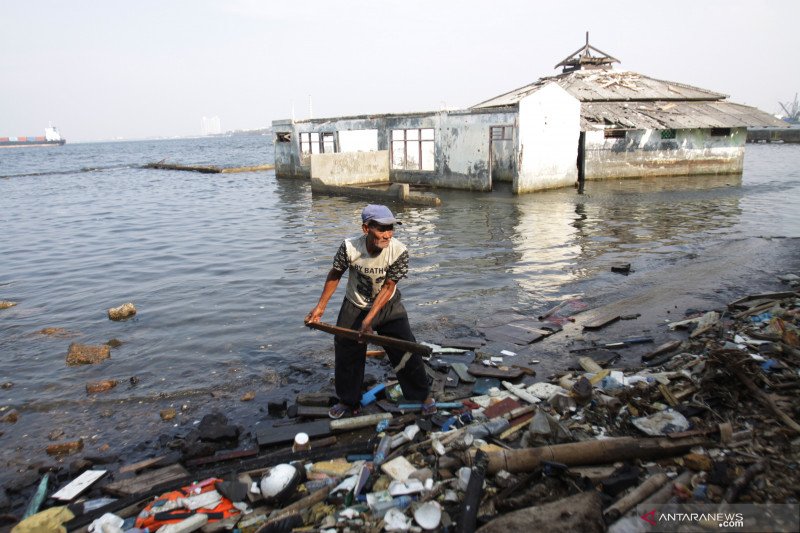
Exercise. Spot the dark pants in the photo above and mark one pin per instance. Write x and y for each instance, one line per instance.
(351, 356)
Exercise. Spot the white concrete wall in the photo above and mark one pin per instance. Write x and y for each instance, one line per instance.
(351, 168)
(549, 129)
(643, 153)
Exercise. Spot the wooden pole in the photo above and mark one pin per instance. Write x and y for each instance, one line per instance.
(380, 340)
(588, 452)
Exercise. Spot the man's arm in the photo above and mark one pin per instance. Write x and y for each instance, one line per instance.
(331, 282)
(383, 297)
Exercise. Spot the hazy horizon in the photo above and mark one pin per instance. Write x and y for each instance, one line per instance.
(114, 70)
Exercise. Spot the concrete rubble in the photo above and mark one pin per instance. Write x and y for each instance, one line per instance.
(708, 417)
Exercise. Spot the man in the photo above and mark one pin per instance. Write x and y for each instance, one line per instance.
(376, 262)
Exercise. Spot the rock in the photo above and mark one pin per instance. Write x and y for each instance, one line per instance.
(55, 434)
(214, 428)
(114, 343)
(248, 396)
(65, 448)
(168, 414)
(86, 354)
(77, 466)
(5, 304)
(122, 312)
(22, 481)
(100, 386)
(10, 417)
(7, 385)
(698, 461)
(134, 380)
(55, 332)
(581, 512)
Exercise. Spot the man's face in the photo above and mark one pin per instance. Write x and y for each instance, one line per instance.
(378, 235)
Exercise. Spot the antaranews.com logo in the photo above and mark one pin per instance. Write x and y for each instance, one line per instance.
(743, 518)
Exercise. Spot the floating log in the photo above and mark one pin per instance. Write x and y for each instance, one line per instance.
(380, 340)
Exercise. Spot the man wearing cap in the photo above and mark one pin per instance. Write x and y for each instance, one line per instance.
(376, 261)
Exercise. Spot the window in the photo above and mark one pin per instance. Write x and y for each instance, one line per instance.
(720, 132)
(358, 141)
(283, 137)
(502, 133)
(614, 134)
(317, 143)
(667, 134)
(327, 143)
(413, 149)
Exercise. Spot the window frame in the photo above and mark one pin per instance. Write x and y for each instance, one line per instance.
(418, 139)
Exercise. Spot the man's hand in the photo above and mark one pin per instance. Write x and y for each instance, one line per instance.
(315, 315)
(366, 328)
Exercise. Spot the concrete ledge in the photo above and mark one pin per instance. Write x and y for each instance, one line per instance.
(397, 192)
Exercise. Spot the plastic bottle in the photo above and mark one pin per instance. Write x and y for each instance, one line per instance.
(383, 450)
(401, 502)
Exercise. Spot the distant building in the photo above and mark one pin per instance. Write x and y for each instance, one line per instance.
(589, 122)
(210, 126)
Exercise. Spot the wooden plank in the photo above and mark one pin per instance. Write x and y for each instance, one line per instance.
(78, 485)
(317, 399)
(141, 465)
(144, 482)
(219, 457)
(466, 343)
(461, 370)
(514, 333)
(601, 321)
(764, 296)
(494, 372)
(281, 434)
(310, 411)
(662, 349)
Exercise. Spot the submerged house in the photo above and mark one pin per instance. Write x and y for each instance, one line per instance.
(589, 122)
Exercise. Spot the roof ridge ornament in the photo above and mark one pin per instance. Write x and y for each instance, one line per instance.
(582, 59)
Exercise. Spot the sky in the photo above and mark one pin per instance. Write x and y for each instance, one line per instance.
(102, 70)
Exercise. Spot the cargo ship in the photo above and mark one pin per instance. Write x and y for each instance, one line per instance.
(51, 137)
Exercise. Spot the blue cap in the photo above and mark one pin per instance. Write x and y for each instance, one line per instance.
(378, 213)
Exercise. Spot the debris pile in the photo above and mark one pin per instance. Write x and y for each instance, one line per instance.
(708, 417)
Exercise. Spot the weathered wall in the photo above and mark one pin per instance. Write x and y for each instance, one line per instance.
(644, 153)
(549, 129)
(354, 168)
(461, 153)
(461, 141)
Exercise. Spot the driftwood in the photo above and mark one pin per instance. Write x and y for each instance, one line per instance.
(588, 452)
(732, 494)
(738, 371)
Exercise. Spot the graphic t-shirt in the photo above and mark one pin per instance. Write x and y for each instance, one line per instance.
(368, 273)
